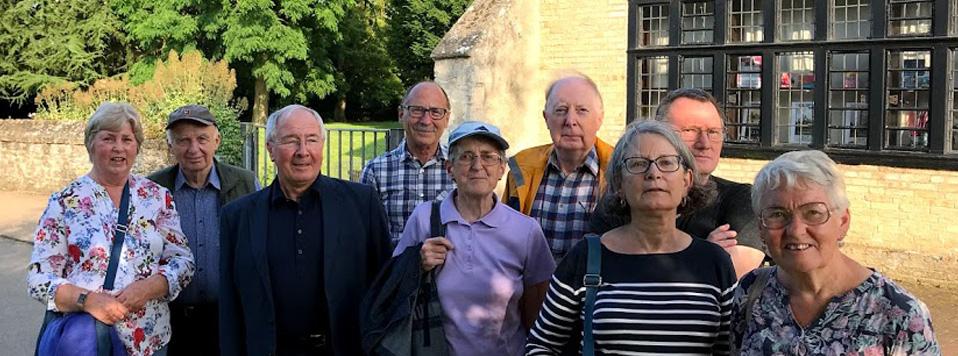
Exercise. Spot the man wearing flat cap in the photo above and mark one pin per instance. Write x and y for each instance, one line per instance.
(201, 186)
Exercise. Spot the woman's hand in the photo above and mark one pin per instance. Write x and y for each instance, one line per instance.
(136, 294)
(724, 236)
(434, 251)
(105, 308)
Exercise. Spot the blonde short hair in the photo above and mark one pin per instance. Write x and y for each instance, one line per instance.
(111, 116)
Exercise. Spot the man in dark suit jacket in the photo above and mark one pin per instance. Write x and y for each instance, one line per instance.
(298, 256)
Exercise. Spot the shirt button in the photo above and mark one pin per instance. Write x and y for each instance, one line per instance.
(300, 212)
(421, 195)
(299, 251)
(299, 231)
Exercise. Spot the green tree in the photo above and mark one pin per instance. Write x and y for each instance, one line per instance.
(415, 28)
(285, 45)
(366, 78)
(50, 41)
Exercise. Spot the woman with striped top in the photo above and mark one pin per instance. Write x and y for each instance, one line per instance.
(662, 291)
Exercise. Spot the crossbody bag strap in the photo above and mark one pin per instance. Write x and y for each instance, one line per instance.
(119, 234)
(591, 281)
(751, 297)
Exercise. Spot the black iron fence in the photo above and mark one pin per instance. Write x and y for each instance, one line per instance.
(344, 155)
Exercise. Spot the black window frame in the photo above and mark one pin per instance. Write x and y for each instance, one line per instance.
(940, 154)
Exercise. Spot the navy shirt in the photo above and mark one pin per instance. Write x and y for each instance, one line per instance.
(295, 256)
(200, 221)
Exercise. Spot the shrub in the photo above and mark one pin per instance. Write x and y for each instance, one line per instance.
(177, 81)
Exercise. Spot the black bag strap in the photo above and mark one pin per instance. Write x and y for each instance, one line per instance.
(591, 281)
(119, 234)
(427, 289)
(436, 228)
(104, 347)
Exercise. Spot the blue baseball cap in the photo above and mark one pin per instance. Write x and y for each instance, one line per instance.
(477, 128)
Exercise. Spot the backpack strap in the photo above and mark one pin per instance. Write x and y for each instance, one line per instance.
(591, 281)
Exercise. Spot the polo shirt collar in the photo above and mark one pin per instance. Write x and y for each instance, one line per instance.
(495, 218)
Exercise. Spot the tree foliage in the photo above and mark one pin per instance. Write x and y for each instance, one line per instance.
(49, 41)
(284, 45)
(416, 26)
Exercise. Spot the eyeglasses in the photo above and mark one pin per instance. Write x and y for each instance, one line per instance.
(811, 214)
(466, 159)
(417, 111)
(693, 133)
(640, 165)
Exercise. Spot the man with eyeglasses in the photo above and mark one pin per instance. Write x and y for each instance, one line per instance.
(413, 172)
(559, 184)
(728, 221)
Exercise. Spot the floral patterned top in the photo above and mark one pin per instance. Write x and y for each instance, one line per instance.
(876, 318)
(72, 246)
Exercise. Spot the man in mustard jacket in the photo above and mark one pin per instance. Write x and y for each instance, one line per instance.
(560, 183)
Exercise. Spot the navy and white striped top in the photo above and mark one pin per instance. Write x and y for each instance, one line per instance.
(675, 303)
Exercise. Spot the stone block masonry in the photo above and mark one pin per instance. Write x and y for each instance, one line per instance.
(43, 156)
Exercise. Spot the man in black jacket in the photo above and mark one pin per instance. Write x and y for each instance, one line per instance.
(298, 256)
(201, 186)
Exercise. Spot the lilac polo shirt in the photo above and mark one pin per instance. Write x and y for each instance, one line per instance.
(484, 276)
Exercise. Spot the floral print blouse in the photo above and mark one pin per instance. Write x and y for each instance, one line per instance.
(876, 318)
(72, 246)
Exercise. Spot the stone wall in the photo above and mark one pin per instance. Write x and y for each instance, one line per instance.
(43, 156)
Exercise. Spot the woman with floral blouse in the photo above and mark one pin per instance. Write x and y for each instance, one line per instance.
(817, 300)
(75, 234)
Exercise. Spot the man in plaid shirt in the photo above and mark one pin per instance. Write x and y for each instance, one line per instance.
(559, 183)
(415, 171)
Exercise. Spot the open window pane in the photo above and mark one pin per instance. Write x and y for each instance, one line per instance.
(743, 102)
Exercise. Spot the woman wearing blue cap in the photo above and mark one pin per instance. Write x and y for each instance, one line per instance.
(494, 263)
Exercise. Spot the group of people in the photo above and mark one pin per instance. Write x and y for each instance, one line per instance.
(215, 264)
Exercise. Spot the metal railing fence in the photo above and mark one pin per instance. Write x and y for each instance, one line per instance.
(344, 155)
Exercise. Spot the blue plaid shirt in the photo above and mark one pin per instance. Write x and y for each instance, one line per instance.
(564, 203)
(403, 182)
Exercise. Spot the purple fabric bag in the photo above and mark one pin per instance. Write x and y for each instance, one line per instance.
(76, 334)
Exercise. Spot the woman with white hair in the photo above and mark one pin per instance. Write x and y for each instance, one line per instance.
(73, 244)
(817, 300)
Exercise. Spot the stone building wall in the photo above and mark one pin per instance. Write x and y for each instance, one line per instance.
(43, 156)
(901, 218)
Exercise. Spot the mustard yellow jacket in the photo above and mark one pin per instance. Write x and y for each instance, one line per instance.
(527, 168)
